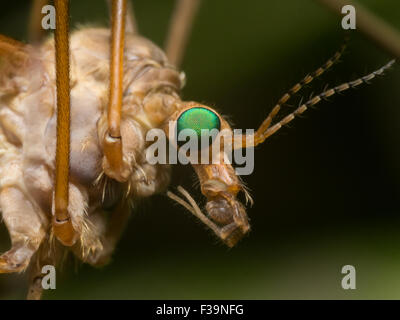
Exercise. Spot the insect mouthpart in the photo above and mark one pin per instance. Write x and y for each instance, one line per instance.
(231, 217)
(219, 211)
(225, 216)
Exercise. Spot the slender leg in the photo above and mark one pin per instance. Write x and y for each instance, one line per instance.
(374, 27)
(26, 227)
(35, 282)
(115, 167)
(130, 23)
(35, 32)
(49, 253)
(261, 136)
(35, 290)
(179, 30)
(62, 225)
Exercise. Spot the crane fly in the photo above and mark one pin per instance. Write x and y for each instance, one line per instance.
(75, 110)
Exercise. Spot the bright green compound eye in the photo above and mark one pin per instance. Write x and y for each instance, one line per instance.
(198, 119)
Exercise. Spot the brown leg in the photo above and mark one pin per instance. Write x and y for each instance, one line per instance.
(180, 27)
(62, 225)
(35, 31)
(35, 289)
(114, 166)
(45, 255)
(130, 23)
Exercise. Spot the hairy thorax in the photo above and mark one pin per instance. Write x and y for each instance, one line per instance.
(28, 122)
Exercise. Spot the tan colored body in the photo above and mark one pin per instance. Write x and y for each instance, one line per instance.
(28, 137)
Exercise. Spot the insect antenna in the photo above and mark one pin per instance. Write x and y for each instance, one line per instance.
(325, 94)
(298, 86)
(264, 132)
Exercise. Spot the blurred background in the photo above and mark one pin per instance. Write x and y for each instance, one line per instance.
(326, 189)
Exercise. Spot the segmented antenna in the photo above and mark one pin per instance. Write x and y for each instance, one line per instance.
(298, 86)
(313, 101)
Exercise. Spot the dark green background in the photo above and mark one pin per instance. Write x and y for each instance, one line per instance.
(326, 189)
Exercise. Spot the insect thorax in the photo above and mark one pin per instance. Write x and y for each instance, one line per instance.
(28, 117)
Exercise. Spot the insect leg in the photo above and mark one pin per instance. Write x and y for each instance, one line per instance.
(35, 284)
(26, 226)
(112, 141)
(260, 137)
(130, 23)
(36, 33)
(62, 225)
(179, 30)
(41, 258)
